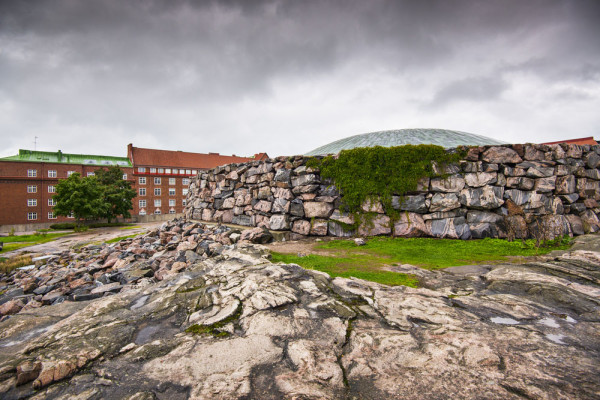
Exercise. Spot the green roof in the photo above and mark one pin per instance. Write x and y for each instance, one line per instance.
(64, 158)
(441, 137)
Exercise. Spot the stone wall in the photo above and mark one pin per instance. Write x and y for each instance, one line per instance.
(522, 190)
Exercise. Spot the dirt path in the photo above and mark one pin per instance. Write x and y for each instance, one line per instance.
(303, 247)
(83, 238)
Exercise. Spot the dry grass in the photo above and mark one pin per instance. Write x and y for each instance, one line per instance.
(9, 264)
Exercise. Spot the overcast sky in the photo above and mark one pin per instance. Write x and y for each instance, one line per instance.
(284, 77)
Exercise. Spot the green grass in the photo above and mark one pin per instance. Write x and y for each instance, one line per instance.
(360, 266)
(19, 241)
(130, 227)
(366, 262)
(118, 239)
(432, 253)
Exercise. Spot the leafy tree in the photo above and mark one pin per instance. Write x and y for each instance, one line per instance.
(117, 193)
(79, 196)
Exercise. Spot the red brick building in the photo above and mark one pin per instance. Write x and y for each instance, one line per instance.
(161, 178)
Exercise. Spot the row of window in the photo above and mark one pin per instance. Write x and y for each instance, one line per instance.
(33, 189)
(157, 181)
(158, 191)
(32, 216)
(173, 171)
(33, 202)
(157, 203)
(158, 211)
(52, 173)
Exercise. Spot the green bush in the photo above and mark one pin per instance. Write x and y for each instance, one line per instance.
(63, 225)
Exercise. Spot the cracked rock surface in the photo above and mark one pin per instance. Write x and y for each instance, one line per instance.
(236, 326)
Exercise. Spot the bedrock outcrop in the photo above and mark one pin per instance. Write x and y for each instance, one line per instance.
(236, 326)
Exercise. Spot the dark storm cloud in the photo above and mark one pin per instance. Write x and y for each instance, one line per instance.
(261, 72)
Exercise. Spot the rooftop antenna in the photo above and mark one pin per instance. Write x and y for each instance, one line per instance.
(35, 143)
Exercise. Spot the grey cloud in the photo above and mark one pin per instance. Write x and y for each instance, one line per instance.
(470, 89)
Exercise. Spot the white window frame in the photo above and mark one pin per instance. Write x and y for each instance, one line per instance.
(184, 202)
(142, 212)
(31, 202)
(172, 192)
(142, 180)
(185, 191)
(90, 174)
(51, 215)
(69, 173)
(172, 211)
(52, 173)
(32, 173)
(157, 192)
(124, 177)
(172, 181)
(185, 181)
(152, 170)
(194, 172)
(141, 169)
(142, 204)
(31, 216)
(172, 202)
(161, 170)
(175, 171)
(51, 202)
(51, 189)
(157, 181)
(157, 203)
(188, 171)
(157, 211)
(167, 170)
(142, 191)
(71, 215)
(31, 189)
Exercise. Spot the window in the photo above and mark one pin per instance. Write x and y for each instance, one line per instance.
(90, 174)
(157, 191)
(175, 171)
(31, 216)
(157, 203)
(31, 189)
(141, 169)
(161, 170)
(69, 173)
(194, 172)
(142, 212)
(185, 181)
(142, 203)
(157, 181)
(51, 215)
(51, 173)
(152, 170)
(184, 202)
(185, 191)
(32, 173)
(168, 171)
(51, 189)
(124, 177)
(157, 211)
(171, 191)
(31, 202)
(51, 202)
(71, 215)
(172, 211)
(142, 191)
(142, 180)
(188, 171)
(171, 202)
(171, 181)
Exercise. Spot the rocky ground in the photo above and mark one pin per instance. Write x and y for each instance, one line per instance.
(202, 314)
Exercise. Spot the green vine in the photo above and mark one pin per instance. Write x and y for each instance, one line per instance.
(378, 173)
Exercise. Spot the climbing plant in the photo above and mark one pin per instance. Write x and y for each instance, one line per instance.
(378, 173)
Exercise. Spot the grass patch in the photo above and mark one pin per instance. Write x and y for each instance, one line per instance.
(19, 241)
(130, 227)
(366, 262)
(362, 266)
(432, 253)
(7, 265)
(119, 238)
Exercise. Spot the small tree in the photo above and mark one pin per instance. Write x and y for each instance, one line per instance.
(81, 197)
(117, 193)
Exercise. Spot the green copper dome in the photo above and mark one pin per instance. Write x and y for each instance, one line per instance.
(440, 137)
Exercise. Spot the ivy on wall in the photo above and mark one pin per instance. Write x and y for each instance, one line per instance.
(378, 173)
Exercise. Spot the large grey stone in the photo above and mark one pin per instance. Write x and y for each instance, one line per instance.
(444, 202)
(487, 197)
(501, 155)
(450, 184)
(417, 203)
(378, 225)
(315, 209)
(449, 228)
(279, 222)
(481, 179)
(304, 180)
(411, 225)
